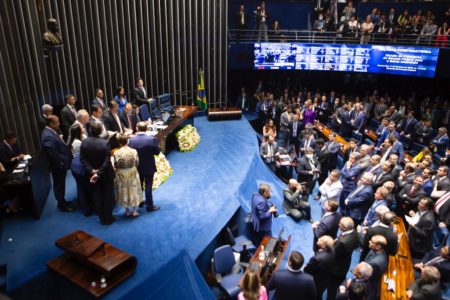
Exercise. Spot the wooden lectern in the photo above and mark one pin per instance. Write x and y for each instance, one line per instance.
(88, 259)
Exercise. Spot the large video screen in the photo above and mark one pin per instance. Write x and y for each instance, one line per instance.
(399, 60)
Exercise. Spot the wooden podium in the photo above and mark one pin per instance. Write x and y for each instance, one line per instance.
(88, 259)
(228, 113)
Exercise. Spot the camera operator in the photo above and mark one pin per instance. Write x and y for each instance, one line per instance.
(262, 211)
(308, 169)
(296, 201)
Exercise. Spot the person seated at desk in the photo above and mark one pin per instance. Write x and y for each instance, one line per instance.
(10, 153)
(296, 201)
(251, 287)
(269, 152)
(427, 286)
(293, 283)
(7, 201)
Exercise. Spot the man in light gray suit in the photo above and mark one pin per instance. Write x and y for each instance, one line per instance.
(269, 152)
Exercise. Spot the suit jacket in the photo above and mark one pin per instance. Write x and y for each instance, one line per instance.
(264, 150)
(397, 148)
(396, 117)
(349, 176)
(103, 104)
(421, 133)
(290, 285)
(420, 236)
(359, 203)
(319, 267)
(138, 96)
(426, 291)
(303, 169)
(146, 147)
(428, 187)
(385, 135)
(95, 154)
(443, 266)
(298, 131)
(284, 121)
(379, 262)
(359, 121)
(346, 126)
(325, 159)
(443, 185)
(67, 119)
(343, 250)
(348, 151)
(408, 125)
(387, 232)
(58, 153)
(239, 23)
(380, 130)
(380, 179)
(334, 150)
(110, 122)
(379, 110)
(124, 119)
(312, 143)
(441, 144)
(262, 218)
(292, 199)
(323, 112)
(411, 199)
(239, 101)
(371, 216)
(328, 225)
(6, 154)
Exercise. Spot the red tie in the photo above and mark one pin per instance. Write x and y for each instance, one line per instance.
(411, 192)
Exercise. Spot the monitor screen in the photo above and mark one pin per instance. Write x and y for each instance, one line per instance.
(399, 60)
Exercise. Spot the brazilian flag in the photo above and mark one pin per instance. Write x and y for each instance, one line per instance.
(201, 94)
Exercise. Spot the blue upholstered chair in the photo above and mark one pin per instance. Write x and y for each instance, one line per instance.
(164, 102)
(238, 243)
(224, 262)
(154, 110)
(144, 113)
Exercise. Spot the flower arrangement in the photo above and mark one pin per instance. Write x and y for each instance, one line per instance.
(163, 170)
(188, 138)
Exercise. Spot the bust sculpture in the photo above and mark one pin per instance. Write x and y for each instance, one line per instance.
(51, 37)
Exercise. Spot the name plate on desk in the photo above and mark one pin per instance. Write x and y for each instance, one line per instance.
(91, 263)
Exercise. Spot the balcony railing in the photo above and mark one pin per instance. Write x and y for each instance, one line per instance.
(330, 37)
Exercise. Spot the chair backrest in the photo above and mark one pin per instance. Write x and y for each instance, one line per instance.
(224, 259)
(164, 102)
(373, 124)
(154, 110)
(144, 113)
(230, 236)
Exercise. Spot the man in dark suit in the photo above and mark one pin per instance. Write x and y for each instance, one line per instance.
(295, 201)
(440, 143)
(358, 201)
(427, 286)
(328, 224)
(323, 111)
(308, 169)
(441, 183)
(320, 264)
(262, 211)
(352, 148)
(129, 117)
(139, 95)
(147, 148)
(269, 152)
(243, 101)
(344, 245)
(97, 113)
(439, 258)
(68, 114)
(47, 110)
(384, 175)
(292, 284)
(349, 177)
(378, 259)
(95, 155)
(307, 141)
(10, 153)
(385, 228)
(112, 123)
(409, 196)
(406, 127)
(359, 119)
(333, 147)
(99, 100)
(422, 131)
(241, 22)
(294, 132)
(324, 156)
(59, 157)
(420, 235)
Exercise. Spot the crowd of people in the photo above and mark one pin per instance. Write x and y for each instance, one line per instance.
(108, 151)
(362, 200)
(339, 18)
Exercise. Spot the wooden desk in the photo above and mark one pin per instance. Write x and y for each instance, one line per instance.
(325, 131)
(371, 134)
(400, 268)
(88, 259)
(267, 272)
(166, 138)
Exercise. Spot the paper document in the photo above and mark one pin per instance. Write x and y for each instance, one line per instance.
(412, 220)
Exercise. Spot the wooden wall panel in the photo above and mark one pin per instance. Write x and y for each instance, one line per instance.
(107, 43)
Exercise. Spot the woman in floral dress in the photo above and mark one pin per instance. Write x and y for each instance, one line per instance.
(127, 183)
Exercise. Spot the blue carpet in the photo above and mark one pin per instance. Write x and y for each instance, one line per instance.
(207, 187)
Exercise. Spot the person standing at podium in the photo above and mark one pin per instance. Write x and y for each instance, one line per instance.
(147, 148)
(262, 212)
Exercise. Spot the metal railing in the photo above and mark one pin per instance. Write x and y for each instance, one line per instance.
(332, 37)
